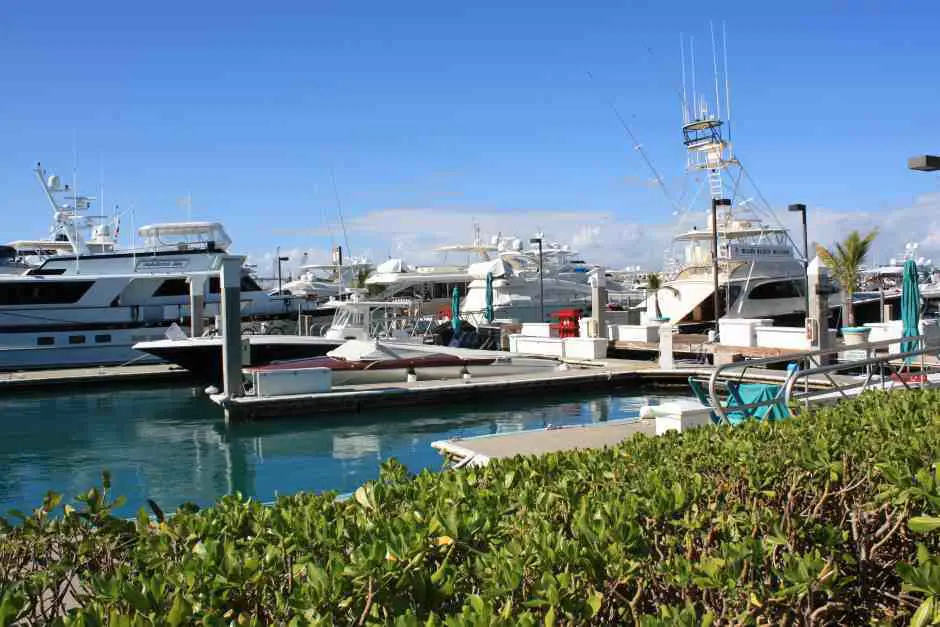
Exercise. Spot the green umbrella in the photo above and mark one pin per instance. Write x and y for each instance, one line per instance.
(910, 305)
(455, 310)
(488, 312)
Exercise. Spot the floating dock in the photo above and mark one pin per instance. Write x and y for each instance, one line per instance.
(356, 398)
(93, 376)
(478, 451)
(609, 374)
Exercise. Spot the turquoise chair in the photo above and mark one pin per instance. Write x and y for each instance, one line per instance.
(744, 394)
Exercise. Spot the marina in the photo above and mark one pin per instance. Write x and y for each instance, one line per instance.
(478, 315)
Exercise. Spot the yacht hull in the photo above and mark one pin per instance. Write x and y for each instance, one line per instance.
(74, 349)
(202, 357)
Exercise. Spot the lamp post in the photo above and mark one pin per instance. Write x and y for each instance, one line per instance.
(279, 260)
(801, 208)
(924, 163)
(538, 240)
(716, 202)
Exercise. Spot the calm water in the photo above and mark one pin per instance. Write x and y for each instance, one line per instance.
(171, 445)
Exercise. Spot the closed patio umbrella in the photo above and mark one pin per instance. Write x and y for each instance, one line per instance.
(455, 310)
(488, 312)
(910, 305)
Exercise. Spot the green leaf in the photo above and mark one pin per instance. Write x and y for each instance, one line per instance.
(179, 612)
(924, 613)
(923, 524)
(595, 601)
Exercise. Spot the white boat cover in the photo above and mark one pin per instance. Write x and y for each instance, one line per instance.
(367, 350)
(498, 267)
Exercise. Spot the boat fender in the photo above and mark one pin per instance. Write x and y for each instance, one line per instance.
(412, 375)
(563, 367)
(212, 390)
(465, 374)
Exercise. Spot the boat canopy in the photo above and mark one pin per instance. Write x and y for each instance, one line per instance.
(43, 247)
(161, 235)
(390, 266)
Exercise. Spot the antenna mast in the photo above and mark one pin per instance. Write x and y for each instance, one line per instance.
(685, 98)
(711, 26)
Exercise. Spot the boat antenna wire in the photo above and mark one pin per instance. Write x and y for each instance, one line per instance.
(339, 208)
(639, 148)
(769, 209)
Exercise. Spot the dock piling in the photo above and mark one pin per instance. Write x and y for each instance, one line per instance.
(197, 304)
(231, 326)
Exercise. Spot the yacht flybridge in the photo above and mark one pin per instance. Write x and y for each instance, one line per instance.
(90, 306)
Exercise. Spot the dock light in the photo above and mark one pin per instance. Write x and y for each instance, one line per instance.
(801, 208)
(924, 163)
(716, 202)
(538, 240)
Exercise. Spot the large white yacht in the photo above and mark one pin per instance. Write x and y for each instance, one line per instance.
(90, 306)
(760, 274)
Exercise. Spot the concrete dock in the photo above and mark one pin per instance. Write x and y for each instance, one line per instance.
(478, 451)
(356, 398)
(94, 376)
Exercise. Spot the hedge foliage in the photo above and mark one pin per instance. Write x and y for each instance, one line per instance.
(832, 518)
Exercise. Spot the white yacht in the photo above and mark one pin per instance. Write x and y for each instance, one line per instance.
(432, 286)
(518, 294)
(325, 281)
(89, 306)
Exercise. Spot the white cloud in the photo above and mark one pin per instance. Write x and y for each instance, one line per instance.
(600, 237)
(918, 222)
(414, 233)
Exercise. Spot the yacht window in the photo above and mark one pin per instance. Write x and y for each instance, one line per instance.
(45, 340)
(103, 339)
(248, 284)
(46, 271)
(36, 293)
(214, 285)
(777, 289)
(76, 339)
(172, 287)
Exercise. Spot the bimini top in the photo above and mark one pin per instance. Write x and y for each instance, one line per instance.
(177, 233)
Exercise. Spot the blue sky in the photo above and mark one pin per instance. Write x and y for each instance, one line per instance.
(433, 114)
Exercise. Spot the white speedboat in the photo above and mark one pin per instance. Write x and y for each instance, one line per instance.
(355, 318)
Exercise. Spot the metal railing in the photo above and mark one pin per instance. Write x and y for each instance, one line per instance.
(880, 370)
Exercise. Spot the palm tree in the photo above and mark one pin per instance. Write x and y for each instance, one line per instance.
(655, 283)
(845, 261)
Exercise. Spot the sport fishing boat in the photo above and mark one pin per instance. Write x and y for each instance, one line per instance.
(760, 274)
(377, 361)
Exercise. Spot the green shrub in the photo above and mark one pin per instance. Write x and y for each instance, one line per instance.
(828, 519)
